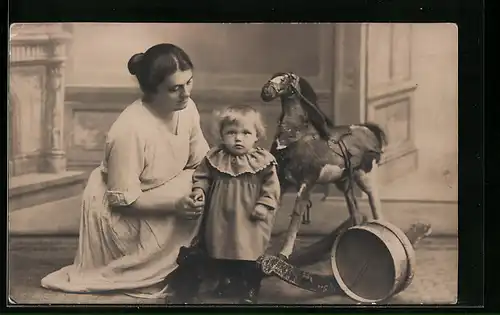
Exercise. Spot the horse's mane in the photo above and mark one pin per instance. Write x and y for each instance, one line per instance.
(320, 121)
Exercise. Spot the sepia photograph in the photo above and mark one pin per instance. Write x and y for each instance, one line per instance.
(232, 164)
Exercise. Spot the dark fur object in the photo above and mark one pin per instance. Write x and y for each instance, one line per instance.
(188, 255)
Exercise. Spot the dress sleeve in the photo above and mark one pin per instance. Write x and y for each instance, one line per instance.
(202, 177)
(124, 163)
(198, 146)
(270, 191)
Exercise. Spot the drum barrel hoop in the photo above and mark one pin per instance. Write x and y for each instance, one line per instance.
(375, 229)
(410, 252)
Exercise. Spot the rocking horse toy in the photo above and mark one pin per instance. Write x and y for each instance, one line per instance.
(372, 260)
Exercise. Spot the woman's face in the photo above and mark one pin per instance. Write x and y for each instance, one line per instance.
(174, 92)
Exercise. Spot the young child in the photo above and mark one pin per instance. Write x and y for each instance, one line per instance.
(239, 183)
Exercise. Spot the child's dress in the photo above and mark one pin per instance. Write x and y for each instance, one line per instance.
(233, 186)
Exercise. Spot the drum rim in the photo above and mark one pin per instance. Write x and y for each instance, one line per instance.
(338, 277)
(410, 252)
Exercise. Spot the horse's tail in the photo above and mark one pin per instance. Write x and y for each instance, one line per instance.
(378, 132)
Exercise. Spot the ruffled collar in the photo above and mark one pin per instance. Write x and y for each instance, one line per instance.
(252, 162)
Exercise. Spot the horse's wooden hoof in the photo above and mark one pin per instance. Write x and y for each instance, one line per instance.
(360, 220)
(418, 231)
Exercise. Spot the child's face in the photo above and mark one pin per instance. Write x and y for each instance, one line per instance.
(239, 138)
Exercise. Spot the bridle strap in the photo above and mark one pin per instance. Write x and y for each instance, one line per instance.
(301, 96)
(340, 142)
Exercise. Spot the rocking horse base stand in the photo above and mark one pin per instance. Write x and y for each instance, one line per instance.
(344, 247)
(290, 272)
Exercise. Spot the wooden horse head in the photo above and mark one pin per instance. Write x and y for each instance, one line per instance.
(300, 111)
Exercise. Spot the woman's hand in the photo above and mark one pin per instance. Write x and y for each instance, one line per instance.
(259, 213)
(191, 207)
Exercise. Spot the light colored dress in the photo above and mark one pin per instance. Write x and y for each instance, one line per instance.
(235, 185)
(119, 252)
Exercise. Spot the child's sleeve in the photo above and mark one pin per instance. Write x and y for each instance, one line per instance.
(202, 176)
(270, 191)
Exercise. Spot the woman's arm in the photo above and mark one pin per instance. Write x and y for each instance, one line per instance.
(155, 201)
(176, 196)
(169, 200)
(124, 162)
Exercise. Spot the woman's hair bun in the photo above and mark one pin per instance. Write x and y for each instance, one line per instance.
(134, 63)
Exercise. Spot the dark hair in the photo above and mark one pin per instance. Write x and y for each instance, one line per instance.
(158, 62)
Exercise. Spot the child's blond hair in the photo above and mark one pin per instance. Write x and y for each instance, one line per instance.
(238, 113)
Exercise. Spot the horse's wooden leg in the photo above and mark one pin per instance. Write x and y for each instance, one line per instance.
(293, 228)
(368, 184)
(320, 250)
(354, 213)
(329, 174)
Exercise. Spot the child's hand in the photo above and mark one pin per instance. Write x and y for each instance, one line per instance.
(198, 197)
(191, 207)
(259, 213)
(188, 209)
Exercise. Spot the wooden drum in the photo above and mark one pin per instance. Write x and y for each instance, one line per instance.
(373, 261)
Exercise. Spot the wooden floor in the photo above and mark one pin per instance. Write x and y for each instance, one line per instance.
(31, 258)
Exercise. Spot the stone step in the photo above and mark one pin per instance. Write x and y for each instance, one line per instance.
(63, 217)
(38, 188)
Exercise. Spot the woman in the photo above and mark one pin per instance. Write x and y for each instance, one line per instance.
(136, 209)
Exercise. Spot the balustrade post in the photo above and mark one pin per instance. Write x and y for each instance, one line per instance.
(42, 44)
(55, 157)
